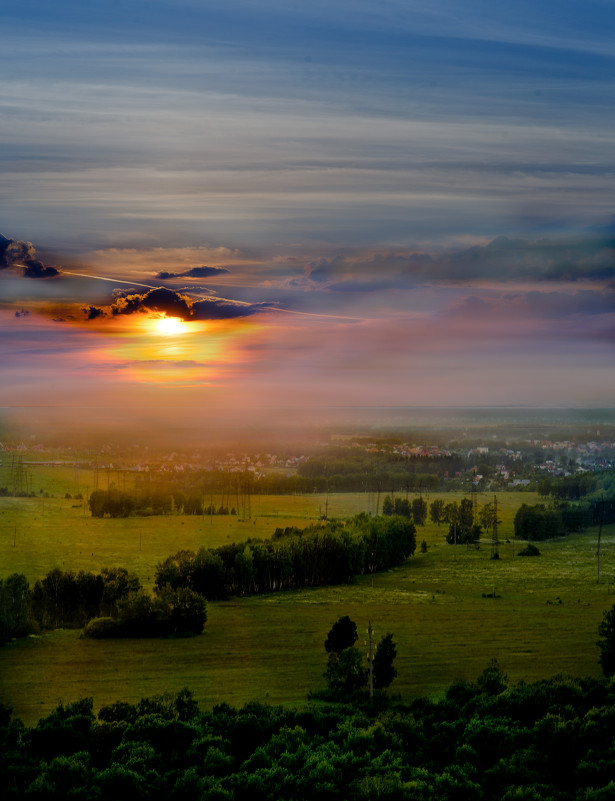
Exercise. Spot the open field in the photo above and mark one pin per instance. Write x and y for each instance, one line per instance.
(37, 534)
(270, 648)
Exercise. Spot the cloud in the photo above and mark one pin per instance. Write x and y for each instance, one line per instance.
(584, 258)
(194, 272)
(537, 305)
(222, 309)
(22, 254)
(565, 259)
(175, 304)
(92, 312)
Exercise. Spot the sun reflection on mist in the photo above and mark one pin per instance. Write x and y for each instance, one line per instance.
(171, 352)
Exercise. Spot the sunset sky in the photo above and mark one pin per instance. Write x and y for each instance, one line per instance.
(233, 208)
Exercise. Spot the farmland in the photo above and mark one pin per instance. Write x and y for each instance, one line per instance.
(446, 623)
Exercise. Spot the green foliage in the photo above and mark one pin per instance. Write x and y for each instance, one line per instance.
(529, 550)
(492, 680)
(553, 739)
(436, 511)
(569, 487)
(110, 503)
(419, 511)
(100, 628)
(15, 611)
(606, 643)
(327, 553)
(346, 673)
(66, 599)
(537, 523)
(171, 612)
(462, 528)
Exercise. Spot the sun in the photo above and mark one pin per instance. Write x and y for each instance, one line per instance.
(170, 326)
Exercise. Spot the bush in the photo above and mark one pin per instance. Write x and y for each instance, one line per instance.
(100, 628)
(529, 550)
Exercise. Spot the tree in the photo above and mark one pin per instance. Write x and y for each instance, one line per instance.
(606, 630)
(492, 681)
(383, 669)
(387, 506)
(436, 511)
(185, 610)
(346, 672)
(419, 511)
(118, 584)
(487, 515)
(14, 607)
(343, 635)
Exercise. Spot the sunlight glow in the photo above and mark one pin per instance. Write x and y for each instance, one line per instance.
(169, 326)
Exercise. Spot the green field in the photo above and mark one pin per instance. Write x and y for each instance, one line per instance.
(270, 648)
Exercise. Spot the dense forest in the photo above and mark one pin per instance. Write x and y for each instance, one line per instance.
(552, 740)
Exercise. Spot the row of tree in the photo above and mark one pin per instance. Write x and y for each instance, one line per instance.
(540, 522)
(168, 613)
(327, 553)
(568, 488)
(111, 603)
(415, 509)
(117, 503)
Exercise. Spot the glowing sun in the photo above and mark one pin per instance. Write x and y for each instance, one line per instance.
(170, 326)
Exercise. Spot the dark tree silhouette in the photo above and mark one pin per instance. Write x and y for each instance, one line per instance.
(384, 672)
(606, 630)
(343, 635)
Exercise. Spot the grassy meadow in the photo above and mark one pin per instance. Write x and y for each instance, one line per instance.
(542, 621)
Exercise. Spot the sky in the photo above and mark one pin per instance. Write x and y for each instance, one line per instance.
(231, 211)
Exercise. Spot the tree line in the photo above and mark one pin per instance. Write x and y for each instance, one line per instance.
(568, 488)
(540, 522)
(328, 553)
(111, 603)
(485, 740)
(118, 503)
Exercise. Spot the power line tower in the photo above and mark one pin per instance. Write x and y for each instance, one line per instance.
(20, 480)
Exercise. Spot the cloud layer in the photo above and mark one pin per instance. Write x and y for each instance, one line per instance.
(22, 254)
(194, 272)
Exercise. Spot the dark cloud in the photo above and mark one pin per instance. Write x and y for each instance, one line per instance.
(167, 301)
(590, 258)
(195, 272)
(539, 305)
(22, 254)
(22, 313)
(175, 304)
(222, 309)
(92, 312)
